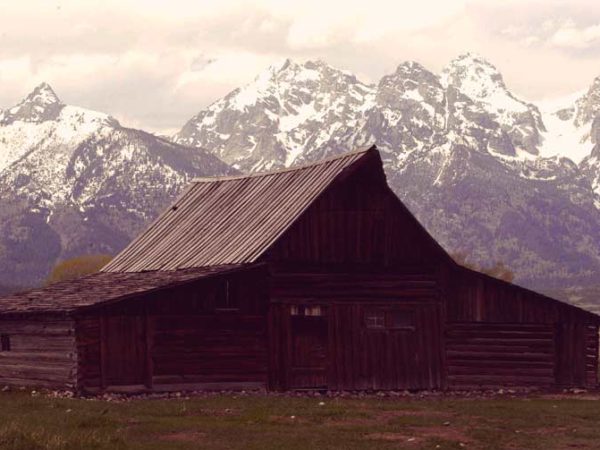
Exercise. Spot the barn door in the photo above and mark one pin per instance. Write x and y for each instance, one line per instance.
(308, 347)
(400, 347)
(124, 349)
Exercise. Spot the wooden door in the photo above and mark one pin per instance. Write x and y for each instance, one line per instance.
(124, 350)
(308, 347)
(386, 346)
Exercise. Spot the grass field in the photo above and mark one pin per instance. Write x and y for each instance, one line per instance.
(285, 422)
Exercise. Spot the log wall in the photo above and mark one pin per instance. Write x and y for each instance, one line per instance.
(42, 352)
(210, 333)
(487, 355)
(499, 334)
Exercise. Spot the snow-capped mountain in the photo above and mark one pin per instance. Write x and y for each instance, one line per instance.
(74, 181)
(486, 172)
(280, 116)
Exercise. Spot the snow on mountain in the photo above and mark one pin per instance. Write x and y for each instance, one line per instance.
(74, 181)
(279, 116)
(487, 172)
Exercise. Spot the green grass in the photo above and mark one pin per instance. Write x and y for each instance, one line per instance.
(286, 422)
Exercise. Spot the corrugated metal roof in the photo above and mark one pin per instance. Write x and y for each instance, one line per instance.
(102, 287)
(230, 220)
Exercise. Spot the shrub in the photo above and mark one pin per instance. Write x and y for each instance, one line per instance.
(77, 267)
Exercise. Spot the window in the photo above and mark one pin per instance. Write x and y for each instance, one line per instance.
(313, 311)
(401, 320)
(389, 319)
(225, 299)
(375, 320)
(4, 342)
(305, 310)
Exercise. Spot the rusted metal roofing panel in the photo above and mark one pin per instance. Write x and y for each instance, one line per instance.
(230, 220)
(103, 287)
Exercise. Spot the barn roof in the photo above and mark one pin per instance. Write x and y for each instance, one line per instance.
(101, 288)
(231, 220)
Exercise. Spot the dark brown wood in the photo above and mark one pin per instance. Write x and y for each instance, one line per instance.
(309, 351)
(104, 350)
(149, 335)
(510, 354)
(41, 353)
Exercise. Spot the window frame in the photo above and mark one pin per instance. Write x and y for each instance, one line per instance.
(301, 310)
(385, 316)
(223, 302)
(378, 316)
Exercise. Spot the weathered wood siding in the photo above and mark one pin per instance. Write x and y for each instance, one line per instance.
(498, 334)
(358, 220)
(42, 352)
(483, 355)
(207, 333)
(357, 357)
(209, 349)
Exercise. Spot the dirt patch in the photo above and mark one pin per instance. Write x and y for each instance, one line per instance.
(421, 434)
(216, 412)
(449, 433)
(351, 421)
(386, 416)
(288, 419)
(183, 436)
(391, 437)
(408, 413)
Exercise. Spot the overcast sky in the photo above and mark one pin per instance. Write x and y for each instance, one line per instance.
(153, 64)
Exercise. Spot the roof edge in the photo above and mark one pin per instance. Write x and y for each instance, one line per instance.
(287, 169)
(226, 270)
(510, 284)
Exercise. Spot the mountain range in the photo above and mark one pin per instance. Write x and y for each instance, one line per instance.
(74, 181)
(489, 174)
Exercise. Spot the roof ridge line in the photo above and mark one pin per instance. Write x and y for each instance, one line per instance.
(287, 169)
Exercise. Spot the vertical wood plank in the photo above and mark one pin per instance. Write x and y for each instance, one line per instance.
(103, 353)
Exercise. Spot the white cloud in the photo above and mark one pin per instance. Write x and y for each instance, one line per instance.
(568, 35)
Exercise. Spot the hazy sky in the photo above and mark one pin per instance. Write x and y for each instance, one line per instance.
(153, 64)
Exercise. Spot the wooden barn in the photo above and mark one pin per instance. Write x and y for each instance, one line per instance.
(316, 277)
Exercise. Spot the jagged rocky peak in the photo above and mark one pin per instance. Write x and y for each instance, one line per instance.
(588, 106)
(315, 73)
(473, 75)
(410, 85)
(482, 82)
(42, 94)
(40, 105)
(416, 71)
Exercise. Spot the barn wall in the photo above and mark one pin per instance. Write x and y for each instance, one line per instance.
(209, 333)
(358, 220)
(356, 356)
(42, 352)
(497, 354)
(498, 334)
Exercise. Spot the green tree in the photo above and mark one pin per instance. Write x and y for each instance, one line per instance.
(77, 267)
